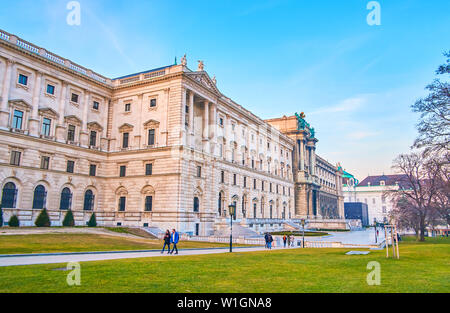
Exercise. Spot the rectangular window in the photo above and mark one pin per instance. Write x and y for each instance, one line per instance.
(197, 229)
(148, 169)
(262, 185)
(151, 137)
(50, 89)
(23, 80)
(92, 170)
(93, 138)
(199, 171)
(152, 103)
(221, 121)
(70, 166)
(125, 140)
(46, 126)
(148, 203)
(254, 183)
(234, 179)
(127, 107)
(45, 162)
(17, 119)
(74, 98)
(15, 158)
(245, 182)
(222, 177)
(122, 203)
(95, 105)
(71, 133)
(123, 171)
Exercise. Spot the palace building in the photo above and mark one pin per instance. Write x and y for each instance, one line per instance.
(163, 148)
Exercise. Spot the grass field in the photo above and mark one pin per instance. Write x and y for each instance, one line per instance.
(423, 267)
(18, 244)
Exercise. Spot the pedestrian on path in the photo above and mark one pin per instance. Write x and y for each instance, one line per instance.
(166, 242)
(269, 242)
(174, 240)
(266, 238)
(284, 240)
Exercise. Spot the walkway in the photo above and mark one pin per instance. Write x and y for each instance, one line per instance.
(49, 258)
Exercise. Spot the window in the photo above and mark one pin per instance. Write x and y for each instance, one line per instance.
(9, 196)
(254, 183)
(71, 133)
(45, 162)
(148, 169)
(66, 199)
(125, 140)
(262, 185)
(196, 204)
(92, 169)
(222, 177)
(123, 171)
(148, 203)
(122, 203)
(152, 103)
(17, 119)
(88, 200)
(39, 198)
(23, 80)
(74, 98)
(50, 89)
(95, 105)
(70, 166)
(15, 158)
(151, 137)
(199, 171)
(234, 179)
(221, 121)
(245, 182)
(46, 123)
(197, 229)
(93, 138)
(127, 107)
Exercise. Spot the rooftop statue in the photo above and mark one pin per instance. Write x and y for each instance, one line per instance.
(313, 132)
(184, 60)
(201, 66)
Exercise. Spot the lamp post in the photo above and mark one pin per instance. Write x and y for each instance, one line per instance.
(303, 226)
(375, 228)
(232, 209)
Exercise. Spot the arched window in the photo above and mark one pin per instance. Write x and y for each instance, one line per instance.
(9, 196)
(40, 197)
(254, 210)
(271, 211)
(66, 199)
(196, 204)
(219, 205)
(148, 203)
(88, 200)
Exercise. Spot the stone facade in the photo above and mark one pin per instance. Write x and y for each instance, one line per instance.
(162, 148)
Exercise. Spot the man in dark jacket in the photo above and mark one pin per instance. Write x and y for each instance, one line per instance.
(266, 238)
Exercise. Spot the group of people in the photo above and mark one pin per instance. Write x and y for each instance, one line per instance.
(171, 239)
(269, 239)
(288, 241)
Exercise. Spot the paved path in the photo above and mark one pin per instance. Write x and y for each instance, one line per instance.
(360, 237)
(99, 256)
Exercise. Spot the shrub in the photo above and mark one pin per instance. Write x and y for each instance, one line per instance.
(14, 221)
(43, 220)
(68, 219)
(92, 221)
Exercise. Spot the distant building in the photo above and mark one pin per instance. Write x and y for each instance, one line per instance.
(371, 191)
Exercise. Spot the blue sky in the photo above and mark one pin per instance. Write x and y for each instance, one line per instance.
(354, 82)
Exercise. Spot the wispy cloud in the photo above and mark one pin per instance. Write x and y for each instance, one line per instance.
(347, 105)
(359, 135)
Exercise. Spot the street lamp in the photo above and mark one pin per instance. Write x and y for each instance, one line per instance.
(232, 209)
(303, 226)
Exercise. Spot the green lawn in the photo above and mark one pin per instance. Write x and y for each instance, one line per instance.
(41, 243)
(423, 267)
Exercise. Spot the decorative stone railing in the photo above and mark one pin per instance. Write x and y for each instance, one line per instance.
(140, 77)
(52, 57)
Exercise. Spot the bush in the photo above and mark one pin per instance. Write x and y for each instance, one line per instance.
(14, 221)
(68, 219)
(1, 215)
(92, 221)
(43, 220)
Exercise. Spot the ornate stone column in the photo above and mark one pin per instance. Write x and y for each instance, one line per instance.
(34, 120)
(184, 140)
(191, 118)
(213, 129)
(302, 155)
(61, 128)
(206, 127)
(4, 110)
(84, 135)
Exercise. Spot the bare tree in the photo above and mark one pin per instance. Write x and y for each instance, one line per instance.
(434, 109)
(415, 199)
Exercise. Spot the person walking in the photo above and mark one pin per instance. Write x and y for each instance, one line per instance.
(269, 242)
(166, 242)
(174, 238)
(284, 240)
(266, 238)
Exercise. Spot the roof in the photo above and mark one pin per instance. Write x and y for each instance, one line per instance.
(389, 180)
(145, 72)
